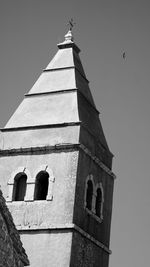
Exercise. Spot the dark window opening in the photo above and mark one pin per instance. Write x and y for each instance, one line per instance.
(89, 195)
(41, 186)
(98, 204)
(20, 185)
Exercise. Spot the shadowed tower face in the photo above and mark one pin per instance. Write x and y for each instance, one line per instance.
(55, 168)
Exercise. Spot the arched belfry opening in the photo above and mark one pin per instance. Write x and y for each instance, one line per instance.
(98, 205)
(20, 185)
(41, 185)
(89, 195)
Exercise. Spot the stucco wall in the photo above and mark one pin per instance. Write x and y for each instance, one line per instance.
(39, 137)
(87, 254)
(48, 249)
(57, 211)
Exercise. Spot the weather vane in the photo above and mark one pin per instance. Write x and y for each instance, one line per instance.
(71, 24)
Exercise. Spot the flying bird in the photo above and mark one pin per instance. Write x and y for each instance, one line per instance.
(124, 55)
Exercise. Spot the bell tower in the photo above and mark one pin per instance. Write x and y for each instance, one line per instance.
(55, 168)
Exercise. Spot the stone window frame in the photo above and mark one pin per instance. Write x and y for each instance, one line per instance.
(11, 182)
(30, 184)
(89, 178)
(92, 212)
(99, 186)
(51, 180)
(20, 185)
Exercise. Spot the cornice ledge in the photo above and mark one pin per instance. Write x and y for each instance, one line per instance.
(97, 161)
(42, 149)
(68, 226)
(95, 241)
(41, 126)
(51, 92)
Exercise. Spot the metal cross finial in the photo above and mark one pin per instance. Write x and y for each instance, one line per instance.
(71, 23)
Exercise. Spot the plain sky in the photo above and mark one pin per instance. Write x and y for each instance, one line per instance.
(29, 33)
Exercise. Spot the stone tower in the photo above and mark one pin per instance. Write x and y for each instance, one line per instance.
(55, 168)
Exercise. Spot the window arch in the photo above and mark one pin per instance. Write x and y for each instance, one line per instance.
(19, 189)
(99, 201)
(94, 198)
(41, 186)
(89, 195)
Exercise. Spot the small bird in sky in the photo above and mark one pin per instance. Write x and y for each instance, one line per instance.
(124, 55)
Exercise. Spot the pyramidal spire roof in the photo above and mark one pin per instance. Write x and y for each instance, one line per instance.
(60, 96)
(64, 73)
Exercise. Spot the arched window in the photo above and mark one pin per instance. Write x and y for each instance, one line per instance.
(19, 189)
(41, 185)
(89, 195)
(98, 204)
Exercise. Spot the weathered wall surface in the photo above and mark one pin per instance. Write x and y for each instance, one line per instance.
(101, 231)
(29, 213)
(45, 246)
(39, 137)
(91, 133)
(51, 248)
(87, 254)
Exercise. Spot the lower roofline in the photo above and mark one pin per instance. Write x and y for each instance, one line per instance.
(48, 126)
